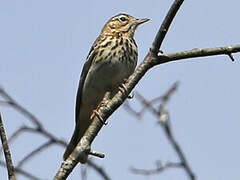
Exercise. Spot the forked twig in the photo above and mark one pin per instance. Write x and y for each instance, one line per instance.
(163, 118)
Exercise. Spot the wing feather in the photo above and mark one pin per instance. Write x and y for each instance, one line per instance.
(86, 67)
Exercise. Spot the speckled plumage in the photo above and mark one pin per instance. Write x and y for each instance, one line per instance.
(112, 58)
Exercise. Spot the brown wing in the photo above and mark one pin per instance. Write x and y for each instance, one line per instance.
(83, 76)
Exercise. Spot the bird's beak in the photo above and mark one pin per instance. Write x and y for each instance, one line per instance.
(141, 21)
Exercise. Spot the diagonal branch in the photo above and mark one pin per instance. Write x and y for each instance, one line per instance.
(165, 26)
(178, 150)
(99, 169)
(9, 163)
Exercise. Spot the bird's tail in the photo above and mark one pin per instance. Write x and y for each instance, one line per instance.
(72, 144)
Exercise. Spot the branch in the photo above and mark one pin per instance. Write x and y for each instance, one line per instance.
(22, 172)
(35, 152)
(195, 53)
(165, 26)
(13, 136)
(157, 170)
(9, 163)
(10, 101)
(99, 169)
(164, 120)
(39, 129)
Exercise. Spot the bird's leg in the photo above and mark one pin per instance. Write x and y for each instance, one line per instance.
(96, 113)
(102, 103)
(123, 89)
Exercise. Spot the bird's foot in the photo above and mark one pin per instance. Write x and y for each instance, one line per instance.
(123, 89)
(102, 104)
(96, 113)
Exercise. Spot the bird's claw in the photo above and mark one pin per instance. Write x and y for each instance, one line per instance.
(123, 88)
(96, 113)
(130, 96)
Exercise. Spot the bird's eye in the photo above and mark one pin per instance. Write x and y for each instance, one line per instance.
(122, 18)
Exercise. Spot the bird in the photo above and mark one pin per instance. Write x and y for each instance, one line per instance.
(111, 60)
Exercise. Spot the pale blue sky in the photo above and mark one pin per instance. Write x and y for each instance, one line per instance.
(43, 45)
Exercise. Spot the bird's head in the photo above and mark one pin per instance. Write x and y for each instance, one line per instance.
(122, 23)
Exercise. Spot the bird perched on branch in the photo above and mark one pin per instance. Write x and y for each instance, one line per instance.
(111, 60)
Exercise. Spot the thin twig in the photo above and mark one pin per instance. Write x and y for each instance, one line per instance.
(132, 111)
(165, 26)
(44, 133)
(6, 150)
(146, 104)
(178, 150)
(99, 169)
(195, 53)
(231, 57)
(34, 152)
(159, 169)
(164, 120)
(163, 116)
(13, 136)
(21, 109)
(22, 172)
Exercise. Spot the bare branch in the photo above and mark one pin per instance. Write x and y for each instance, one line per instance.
(195, 53)
(146, 104)
(13, 136)
(164, 120)
(9, 163)
(34, 152)
(165, 26)
(159, 169)
(18, 107)
(39, 129)
(22, 172)
(132, 111)
(99, 169)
